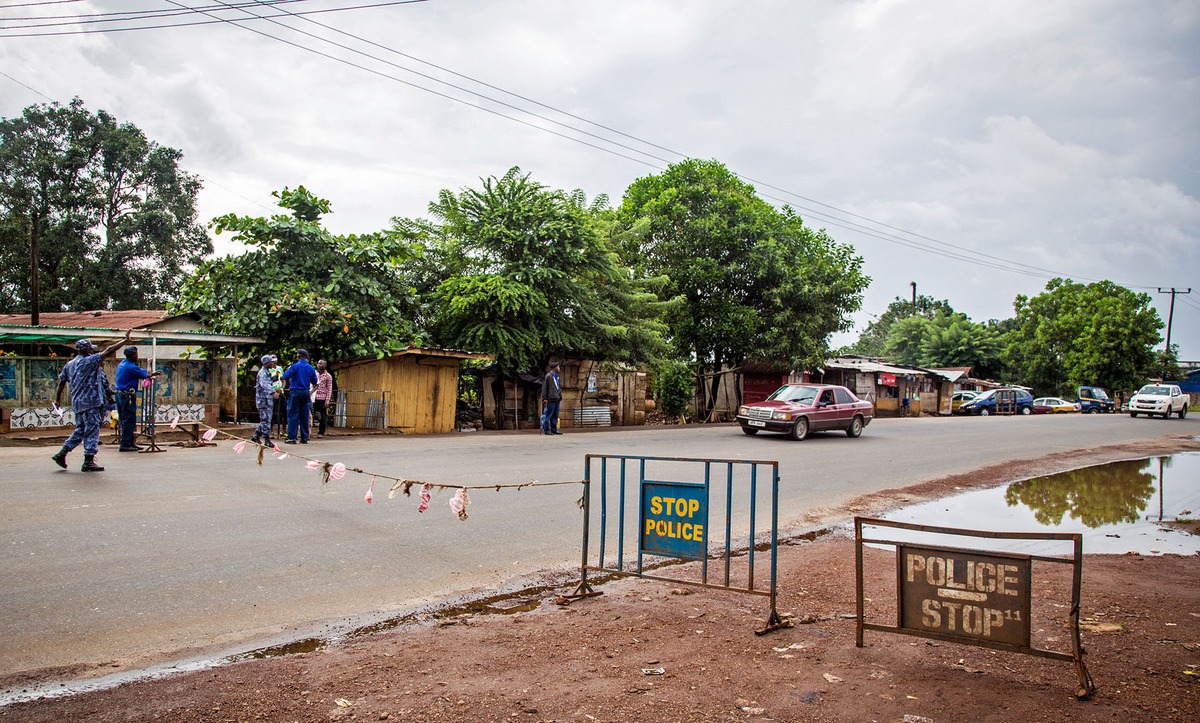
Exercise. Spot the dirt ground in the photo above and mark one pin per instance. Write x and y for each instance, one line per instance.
(599, 659)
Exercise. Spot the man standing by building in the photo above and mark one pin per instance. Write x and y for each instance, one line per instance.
(324, 392)
(129, 373)
(551, 399)
(86, 379)
(265, 395)
(301, 378)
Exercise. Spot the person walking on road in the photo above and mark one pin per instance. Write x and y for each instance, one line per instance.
(301, 378)
(86, 379)
(129, 374)
(551, 399)
(265, 395)
(324, 392)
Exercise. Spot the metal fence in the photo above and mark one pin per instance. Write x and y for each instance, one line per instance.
(359, 409)
(669, 513)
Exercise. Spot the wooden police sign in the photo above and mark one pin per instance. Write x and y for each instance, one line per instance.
(674, 518)
(965, 594)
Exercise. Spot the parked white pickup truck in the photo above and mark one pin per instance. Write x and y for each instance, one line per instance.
(1164, 399)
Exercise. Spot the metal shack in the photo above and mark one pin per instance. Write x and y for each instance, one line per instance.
(414, 390)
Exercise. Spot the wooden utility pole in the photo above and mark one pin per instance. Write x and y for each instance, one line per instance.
(913, 284)
(34, 285)
(1171, 313)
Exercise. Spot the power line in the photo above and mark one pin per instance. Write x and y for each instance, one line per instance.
(164, 26)
(120, 16)
(1001, 263)
(44, 2)
(26, 87)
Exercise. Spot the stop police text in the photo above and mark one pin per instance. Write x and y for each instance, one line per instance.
(674, 507)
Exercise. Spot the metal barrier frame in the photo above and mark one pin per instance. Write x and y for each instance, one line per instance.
(584, 589)
(1086, 686)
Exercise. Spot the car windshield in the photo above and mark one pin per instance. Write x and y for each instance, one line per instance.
(1155, 391)
(1100, 393)
(795, 393)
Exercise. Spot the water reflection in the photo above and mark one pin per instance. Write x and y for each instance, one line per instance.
(1120, 507)
(1103, 495)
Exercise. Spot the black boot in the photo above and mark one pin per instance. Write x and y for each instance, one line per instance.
(60, 459)
(267, 442)
(89, 464)
(254, 439)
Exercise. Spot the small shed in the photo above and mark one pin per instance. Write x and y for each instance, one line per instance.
(595, 394)
(414, 389)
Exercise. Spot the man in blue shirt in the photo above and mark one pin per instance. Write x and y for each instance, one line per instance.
(301, 378)
(551, 399)
(129, 373)
(87, 381)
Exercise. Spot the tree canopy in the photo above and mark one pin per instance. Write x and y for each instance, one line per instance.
(946, 340)
(873, 341)
(109, 214)
(302, 286)
(753, 282)
(524, 272)
(1075, 334)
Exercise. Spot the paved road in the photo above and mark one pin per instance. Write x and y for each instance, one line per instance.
(200, 548)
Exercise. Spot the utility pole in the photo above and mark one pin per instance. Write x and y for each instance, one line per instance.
(913, 284)
(1171, 313)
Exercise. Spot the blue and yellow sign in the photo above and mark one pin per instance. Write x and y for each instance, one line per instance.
(674, 519)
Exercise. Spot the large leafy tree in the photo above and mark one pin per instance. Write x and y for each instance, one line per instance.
(946, 340)
(754, 283)
(302, 286)
(108, 214)
(523, 272)
(873, 341)
(1074, 334)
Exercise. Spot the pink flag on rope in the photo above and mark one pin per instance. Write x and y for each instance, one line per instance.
(459, 502)
(370, 492)
(208, 436)
(426, 495)
(239, 446)
(313, 464)
(146, 383)
(175, 421)
(337, 471)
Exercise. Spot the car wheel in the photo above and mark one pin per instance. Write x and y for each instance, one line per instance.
(1093, 410)
(855, 427)
(800, 429)
(1183, 413)
(749, 430)
(1133, 415)
(984, 412)
(1026, 410)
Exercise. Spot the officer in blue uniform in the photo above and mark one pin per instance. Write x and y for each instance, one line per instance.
(301, 378)
(87, 381)
(129, 373)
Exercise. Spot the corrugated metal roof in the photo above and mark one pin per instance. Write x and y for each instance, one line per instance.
(102, 319)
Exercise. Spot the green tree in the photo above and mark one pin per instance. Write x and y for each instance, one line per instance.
(302, 286)
(873, 341)
(108, 214)
(674, 387)
(752, 282)
(524, 273)
(944, 340)
(1074, 334)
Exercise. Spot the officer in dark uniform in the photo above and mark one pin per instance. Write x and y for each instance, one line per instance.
(87, 381)
(129, 373)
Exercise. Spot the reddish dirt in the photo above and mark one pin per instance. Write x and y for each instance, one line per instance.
(584, 661)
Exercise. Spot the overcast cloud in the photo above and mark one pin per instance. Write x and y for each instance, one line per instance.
(1062, 136)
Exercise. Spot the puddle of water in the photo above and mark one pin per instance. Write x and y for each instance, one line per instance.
(1119, 507)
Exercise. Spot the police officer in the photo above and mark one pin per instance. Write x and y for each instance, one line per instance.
(129, 373)
(265, 395)
(87, 381)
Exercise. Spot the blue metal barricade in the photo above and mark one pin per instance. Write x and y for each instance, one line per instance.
(673, 521)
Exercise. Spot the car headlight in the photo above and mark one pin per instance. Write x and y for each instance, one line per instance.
(744, 411)
(781, 415)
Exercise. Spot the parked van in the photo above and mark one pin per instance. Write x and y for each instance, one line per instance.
(1094, 400)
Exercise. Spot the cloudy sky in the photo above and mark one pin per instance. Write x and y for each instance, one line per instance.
(977, 149)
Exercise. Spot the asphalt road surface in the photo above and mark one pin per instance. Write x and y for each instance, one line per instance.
(200, 550)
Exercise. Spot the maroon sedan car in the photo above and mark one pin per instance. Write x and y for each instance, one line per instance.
(797, 409)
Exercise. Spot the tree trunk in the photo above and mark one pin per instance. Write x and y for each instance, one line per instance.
(35, 234)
